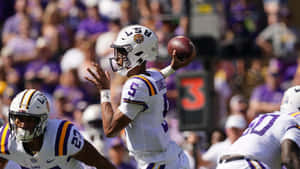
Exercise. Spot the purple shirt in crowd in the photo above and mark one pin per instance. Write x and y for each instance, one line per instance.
(38, 66)
(263, 94)
(92, 26)
(12, 24)
(74, 95)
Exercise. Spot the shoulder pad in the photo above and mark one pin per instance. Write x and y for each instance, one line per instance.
(294, 114)
(151, 88)
(62, 137)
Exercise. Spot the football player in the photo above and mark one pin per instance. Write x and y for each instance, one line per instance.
(290, 102)
(33, 141)
(143, 103)
(271, 140)
(93, 131)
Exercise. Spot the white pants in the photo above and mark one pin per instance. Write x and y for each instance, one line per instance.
(242, 164)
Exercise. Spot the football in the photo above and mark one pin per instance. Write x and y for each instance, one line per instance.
(184, 47)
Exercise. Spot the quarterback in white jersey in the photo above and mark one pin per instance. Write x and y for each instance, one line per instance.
(270, 141)
(34, 142)
(143, 103)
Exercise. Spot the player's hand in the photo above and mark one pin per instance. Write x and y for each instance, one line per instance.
(176, 63)
(98, 77)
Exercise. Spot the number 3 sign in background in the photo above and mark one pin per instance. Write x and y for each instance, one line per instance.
(194, 98)
(193, 102)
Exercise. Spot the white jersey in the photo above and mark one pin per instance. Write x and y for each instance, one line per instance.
(61, 140)
(262, 139)
(213, 153)
(144, 101)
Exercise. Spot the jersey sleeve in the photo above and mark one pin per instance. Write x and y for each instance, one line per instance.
(69, 140)
(5, 141)
(292, 133)
(135, 95)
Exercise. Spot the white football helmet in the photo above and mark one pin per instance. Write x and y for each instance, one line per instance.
(92, 122)
(290, 102)
(30, 103)
(134, 45)
(91, 113)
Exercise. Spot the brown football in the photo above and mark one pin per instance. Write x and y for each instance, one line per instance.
(183, 45)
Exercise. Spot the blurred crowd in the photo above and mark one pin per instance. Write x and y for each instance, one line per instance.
(48, 44)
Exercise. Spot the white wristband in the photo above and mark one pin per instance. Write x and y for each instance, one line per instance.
(167, 71)
(105, 95)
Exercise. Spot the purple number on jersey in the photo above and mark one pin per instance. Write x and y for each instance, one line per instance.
(259, 128)
(75, 140)
(165, 126)
(132, 90)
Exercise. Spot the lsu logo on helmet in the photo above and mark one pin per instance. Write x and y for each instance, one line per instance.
(138, 38)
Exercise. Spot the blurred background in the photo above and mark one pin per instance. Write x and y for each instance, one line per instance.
(248, 53)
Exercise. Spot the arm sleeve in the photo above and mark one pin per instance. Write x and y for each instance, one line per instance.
(292, 133)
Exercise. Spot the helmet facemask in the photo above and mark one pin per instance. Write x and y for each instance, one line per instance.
(25, 135)
(120, 62)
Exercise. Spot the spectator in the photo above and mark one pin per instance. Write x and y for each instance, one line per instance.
(235, 125)
(53, 30)
(69, 92)
(62, 108)
(12, 24)
(19, 51)
(238, 105)
(72, 12)
(217, 136)
(110, 9)
(267, 97)
(45, 67)
(93, 24)
(73, 57)
(191, 147)
(71, 87)
(254, 76)
(278, 39)
(243, 20)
